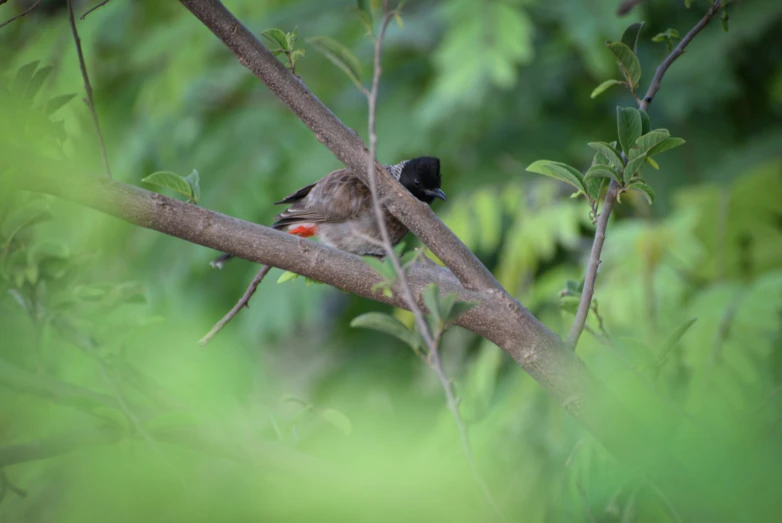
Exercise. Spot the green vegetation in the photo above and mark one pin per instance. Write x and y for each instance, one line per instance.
(293, 414)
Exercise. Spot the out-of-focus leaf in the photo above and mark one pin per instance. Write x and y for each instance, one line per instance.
(631, 35)
(170, 180)
(603, 87)
(674, 338)
(195, 188)
(388, 324)
(23, 77)
(338, 419)
(287, 276)
(36, 82)
(629, 127)
(560, 171)
(628, 62)
(339, 55)
(431, 295)
(55, 103)
(668, 34)
(34, 212)
(459, 308)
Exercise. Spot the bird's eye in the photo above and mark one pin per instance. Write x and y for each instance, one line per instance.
(417, 183)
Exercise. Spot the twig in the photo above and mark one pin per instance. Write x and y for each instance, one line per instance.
(676, 53)
(91, 9)
(243, 302)
(88, 90)
(613, 188)
(20, 15)
(432, 341)
(594, 263)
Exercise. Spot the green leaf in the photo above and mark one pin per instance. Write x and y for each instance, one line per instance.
(170, 180)
(286, 276)
(34, 212)
(23, 77)
(610, 154)
(645, 142)
(629, 126)
(386, 323)
(560, 171)
(278, 37)
(55, 103)
(290, 39)
(365, 17)
(339, 55)
(724, 18)
(431, 295)
(382, 267)
(632, 167)
(645, 122)
(677, 334)
(653, 163)
(687, 3)
(297, 54)
(637, 351)
(459, 308)
(644, 188)
(195, 188)
(628, 62)
(601, 171)
(669, 34)
(338, 419)
(665, 145)
(36, 82)
(594, 185)
(603, 87)
(631, 35)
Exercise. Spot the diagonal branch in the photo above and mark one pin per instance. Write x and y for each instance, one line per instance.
(613, 188)
(88, 89)
(20, 15)
(346, 145)
(243, 302)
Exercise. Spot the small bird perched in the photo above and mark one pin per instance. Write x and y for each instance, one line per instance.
(338, 208)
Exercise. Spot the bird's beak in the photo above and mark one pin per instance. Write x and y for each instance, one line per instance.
(437, 193)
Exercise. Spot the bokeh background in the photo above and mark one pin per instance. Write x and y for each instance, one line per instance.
(311, 420)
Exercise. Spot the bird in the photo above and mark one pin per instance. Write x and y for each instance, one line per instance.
(338, 208)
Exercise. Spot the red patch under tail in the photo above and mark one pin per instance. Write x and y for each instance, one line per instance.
(304, 231)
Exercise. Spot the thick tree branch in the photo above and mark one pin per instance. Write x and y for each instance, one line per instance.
(346, 145)
(613, 188)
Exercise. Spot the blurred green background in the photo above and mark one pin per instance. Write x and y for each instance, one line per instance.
(311, 420)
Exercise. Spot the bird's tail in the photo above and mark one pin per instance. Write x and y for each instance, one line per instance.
(219, 262)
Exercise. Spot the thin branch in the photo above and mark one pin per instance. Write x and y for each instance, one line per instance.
(91, 9)
(88, 89)
(654, 86)
(20, 15)
(243, 302)
(431, 340)
(613, 188)
(592, 265)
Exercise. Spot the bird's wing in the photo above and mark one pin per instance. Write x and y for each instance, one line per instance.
(339, 196)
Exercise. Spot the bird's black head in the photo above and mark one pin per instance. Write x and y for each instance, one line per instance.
(421, 176)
